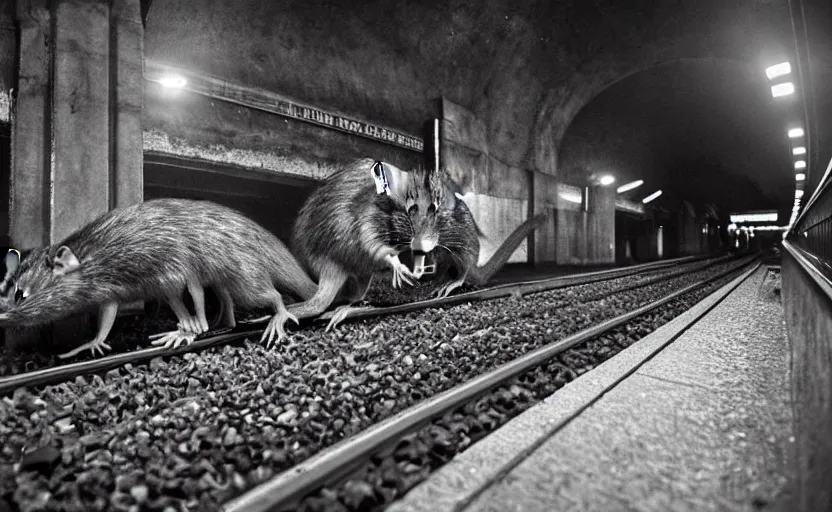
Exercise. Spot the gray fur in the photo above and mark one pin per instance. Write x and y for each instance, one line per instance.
(152, 249)
(458, 233)
(345, 230)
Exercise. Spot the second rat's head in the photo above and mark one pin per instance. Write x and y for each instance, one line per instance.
(43, 268)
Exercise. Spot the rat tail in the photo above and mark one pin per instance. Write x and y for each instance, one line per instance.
(480, 275)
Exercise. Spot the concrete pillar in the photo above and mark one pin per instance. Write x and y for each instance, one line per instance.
(600, 232)
(77, 126)
(29, 199)
(127, 148)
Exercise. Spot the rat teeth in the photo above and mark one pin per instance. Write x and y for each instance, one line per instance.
(419, 267)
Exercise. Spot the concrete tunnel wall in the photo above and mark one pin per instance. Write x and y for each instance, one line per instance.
(520, 76)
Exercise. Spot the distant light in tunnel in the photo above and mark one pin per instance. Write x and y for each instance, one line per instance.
(795, 133)
(629, 186)
(652, 196)
(783, 89)
(754, 217)
(607, 180)
(784, 68)
(799, 150)
(800, 164)
(799, 176)
(798, 193)
(173, 81)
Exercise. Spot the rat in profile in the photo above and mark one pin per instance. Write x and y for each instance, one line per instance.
(357, 222)
(156, 250)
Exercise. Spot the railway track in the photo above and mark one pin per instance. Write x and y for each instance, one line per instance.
(290, 433)
(287, 490)
(57, 371)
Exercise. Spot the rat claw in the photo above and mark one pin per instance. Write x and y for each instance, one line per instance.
(92, 346)
(173, 338)
(292, 317)
(339, 315)
(448, 288)
(275, 327)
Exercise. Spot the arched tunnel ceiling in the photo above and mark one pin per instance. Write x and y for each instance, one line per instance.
(525, 68)
(704, 130)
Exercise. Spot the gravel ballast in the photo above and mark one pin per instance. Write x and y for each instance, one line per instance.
(193, 431)
(131, 332)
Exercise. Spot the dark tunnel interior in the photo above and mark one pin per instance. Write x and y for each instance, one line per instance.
(704, 130)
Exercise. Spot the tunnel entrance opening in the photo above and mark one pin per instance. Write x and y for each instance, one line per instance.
(269, 199)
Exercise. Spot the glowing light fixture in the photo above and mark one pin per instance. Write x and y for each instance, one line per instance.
(798, 193)
(173, 81)
(754, 217)
(783, 89)
(795, 133)
(800, 164)
(784, 68)
(799, 176)
(651, 197)
(607, 180)
(799, 150)
(629, 186)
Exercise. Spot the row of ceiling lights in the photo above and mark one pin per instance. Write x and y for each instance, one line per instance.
(780, 73)
(608, 179)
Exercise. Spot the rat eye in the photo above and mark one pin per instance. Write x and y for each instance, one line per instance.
(413, 210)
(432, 208)
(19, 295)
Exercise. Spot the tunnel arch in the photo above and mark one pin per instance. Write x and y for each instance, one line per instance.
(591, 94)
(682, 123)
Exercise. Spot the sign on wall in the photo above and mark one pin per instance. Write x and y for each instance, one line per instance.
(267, 101)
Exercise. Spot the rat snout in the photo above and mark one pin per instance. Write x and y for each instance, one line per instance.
(423, 245)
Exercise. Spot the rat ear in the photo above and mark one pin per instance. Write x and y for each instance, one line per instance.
(12, 261)
(396, 181)
(65, 262)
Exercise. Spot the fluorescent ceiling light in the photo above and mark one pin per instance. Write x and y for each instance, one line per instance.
(799, 150)
(800, 164)
(607, 180)
(651, 197)
(783, 68)
(173, 81)
(795, 133)
(630, 186)
(799, 176)
(784, 89)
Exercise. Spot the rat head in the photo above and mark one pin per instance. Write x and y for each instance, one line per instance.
(422, 195)
(43, 268)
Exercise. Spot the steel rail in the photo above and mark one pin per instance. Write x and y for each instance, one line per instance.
(63, 372)
(506, 290)
(334, 463)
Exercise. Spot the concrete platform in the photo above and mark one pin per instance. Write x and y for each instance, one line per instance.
(697, 420)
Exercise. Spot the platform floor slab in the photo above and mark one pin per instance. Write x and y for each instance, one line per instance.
(703, 425)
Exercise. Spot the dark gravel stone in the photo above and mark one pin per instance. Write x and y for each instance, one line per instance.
(196, 430)
(43, 460)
